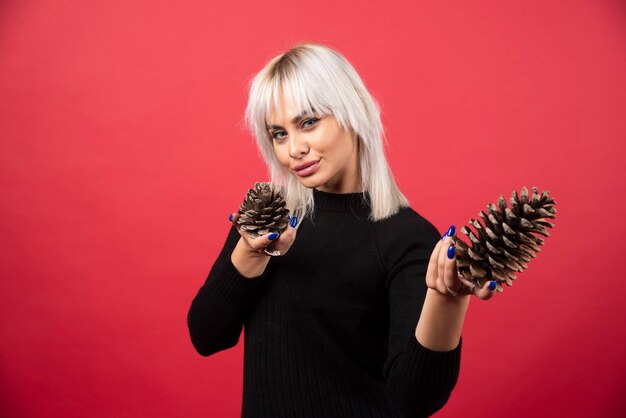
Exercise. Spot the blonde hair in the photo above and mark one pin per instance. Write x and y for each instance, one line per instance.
(319, 79)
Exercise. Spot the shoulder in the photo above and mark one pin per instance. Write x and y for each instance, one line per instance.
(405, 239)
(407, 225)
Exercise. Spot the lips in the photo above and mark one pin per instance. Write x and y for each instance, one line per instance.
(305, 165)
(307, 169)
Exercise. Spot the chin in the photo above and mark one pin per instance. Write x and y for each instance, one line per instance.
(311, 185)
(310, 182)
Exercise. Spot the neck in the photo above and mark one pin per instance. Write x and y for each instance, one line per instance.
(357, 201)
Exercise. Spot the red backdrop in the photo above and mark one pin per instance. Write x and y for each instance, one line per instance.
(123, 153)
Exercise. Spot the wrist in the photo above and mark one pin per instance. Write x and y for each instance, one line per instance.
(448, 299)
(441, 320)
(449, 296)
(248, 262)
(244, 251)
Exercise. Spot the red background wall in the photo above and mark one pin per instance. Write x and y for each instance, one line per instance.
(122, 153)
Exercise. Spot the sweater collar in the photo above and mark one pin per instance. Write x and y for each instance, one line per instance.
(341, 201)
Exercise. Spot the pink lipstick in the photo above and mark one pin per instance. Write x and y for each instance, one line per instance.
(307, 169)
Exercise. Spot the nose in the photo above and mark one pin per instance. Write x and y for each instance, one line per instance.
(298, 145)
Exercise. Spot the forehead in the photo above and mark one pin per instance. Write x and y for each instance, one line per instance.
(280, 107)
(283, 110)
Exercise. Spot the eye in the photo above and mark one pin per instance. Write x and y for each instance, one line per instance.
(276, 133)
(309, 122)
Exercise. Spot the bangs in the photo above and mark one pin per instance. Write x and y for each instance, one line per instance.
(300, 89)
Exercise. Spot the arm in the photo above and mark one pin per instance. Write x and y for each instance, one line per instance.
(441, 321)
(443, 313)
(218, 311)
(223, 303)
(421, 378)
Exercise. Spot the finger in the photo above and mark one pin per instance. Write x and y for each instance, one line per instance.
(432, 269)
(292, 227)
(293, 222)
(289, 234)
(259, 243)
(441, 265)
(450, 274)
(487, 291)
(443, 254)
(450, 232)
(232, 218)
(448, 261)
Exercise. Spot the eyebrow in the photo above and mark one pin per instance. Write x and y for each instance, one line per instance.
(293, 121)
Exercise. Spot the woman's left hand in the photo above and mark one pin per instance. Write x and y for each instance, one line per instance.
(442, 274)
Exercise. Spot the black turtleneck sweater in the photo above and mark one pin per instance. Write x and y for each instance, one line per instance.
(329, 327)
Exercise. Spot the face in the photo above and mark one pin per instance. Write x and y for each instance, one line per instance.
(328, 152)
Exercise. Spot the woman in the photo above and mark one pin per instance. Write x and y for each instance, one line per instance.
(359, 312)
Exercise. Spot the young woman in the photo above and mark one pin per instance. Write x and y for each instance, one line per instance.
(356, 309)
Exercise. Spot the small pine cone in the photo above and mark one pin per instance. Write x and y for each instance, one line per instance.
(263, 210)
(504, 244)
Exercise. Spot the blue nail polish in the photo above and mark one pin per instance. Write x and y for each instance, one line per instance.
(492, 285)
(451, 251)
(272, 236)
(294, 221)
(230, 217)
(449, 233)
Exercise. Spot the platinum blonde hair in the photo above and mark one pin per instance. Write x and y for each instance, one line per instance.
(320, 80)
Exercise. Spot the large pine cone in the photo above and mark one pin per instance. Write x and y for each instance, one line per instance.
(505, 244)
(263, 210)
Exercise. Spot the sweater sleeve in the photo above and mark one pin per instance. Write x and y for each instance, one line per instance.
(420, 379)
(220, 307)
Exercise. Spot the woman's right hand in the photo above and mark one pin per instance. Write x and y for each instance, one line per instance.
(272, 242)
(249, 257)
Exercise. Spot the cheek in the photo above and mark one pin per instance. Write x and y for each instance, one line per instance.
(339, 147)
(282, 155)
(326, 143)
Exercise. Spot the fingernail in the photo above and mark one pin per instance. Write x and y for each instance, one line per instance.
(272, 236)
(492, 285)
(288, 217)
(294, 221)
(449, 233)
(230, 217)
(451, 251)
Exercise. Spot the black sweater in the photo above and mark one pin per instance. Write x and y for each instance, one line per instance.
(330, 326)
